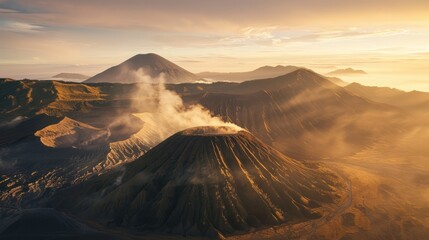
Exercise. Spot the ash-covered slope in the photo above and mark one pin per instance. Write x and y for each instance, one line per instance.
(303, 114)
(206, 181)
(136, 68)
(71, 133)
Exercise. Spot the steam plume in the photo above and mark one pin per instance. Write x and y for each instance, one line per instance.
(167, 110)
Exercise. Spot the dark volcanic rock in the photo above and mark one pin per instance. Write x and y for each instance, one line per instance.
(45, 223)
(206, 181)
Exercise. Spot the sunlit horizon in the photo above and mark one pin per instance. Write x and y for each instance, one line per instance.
(387, 40)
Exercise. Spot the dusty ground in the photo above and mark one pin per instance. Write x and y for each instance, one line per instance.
(388, 199)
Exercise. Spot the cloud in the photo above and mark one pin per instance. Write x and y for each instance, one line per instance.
(339, 34)
(261, 35)
(5, 10)
(255, 32)
(20, 27)
(213, 16)
(277, 36)
(184, 40)
(345, 33)
(167, 109)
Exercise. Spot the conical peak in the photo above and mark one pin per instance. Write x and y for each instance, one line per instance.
(149, 59)
(151, 56)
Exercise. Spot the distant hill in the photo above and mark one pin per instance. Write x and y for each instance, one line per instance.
(346, 71)
(259, 73)
(143, 67)
(413, 100)
(73, 76)
(337, 81)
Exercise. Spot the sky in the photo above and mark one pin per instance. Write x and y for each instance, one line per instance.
(389, 39)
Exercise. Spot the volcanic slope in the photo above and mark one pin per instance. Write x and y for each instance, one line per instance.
(302, 114)
(44, 223)
(412, 101)
(206, 181)
(71, 133)
(150, 66)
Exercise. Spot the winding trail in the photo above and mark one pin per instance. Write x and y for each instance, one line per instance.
(347, 203)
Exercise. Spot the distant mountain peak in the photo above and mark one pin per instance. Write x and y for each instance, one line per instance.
(259, 73)
(346, 71)
(147, 56)
(66, 76)
(149, 64)
(278, 67)
(304, 72)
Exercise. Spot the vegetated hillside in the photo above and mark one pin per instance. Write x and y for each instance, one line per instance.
(27, 98)
(143, 68)
(206, 181)
(97, 104)
(23, 98)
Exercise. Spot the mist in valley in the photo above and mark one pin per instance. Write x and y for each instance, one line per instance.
(214, 120)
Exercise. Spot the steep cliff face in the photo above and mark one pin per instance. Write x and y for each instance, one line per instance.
(207, 181)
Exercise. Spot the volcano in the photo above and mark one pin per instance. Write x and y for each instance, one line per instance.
(142, 67)
(259, 73)
(206, 181)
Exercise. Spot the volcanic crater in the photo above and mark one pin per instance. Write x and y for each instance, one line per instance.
(207, 181)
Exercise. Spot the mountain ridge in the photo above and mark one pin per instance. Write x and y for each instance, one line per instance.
(261, 72)
(68, 76)
(346, 71)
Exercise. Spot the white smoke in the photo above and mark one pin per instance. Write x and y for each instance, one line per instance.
(13, 122)
(169, 113)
